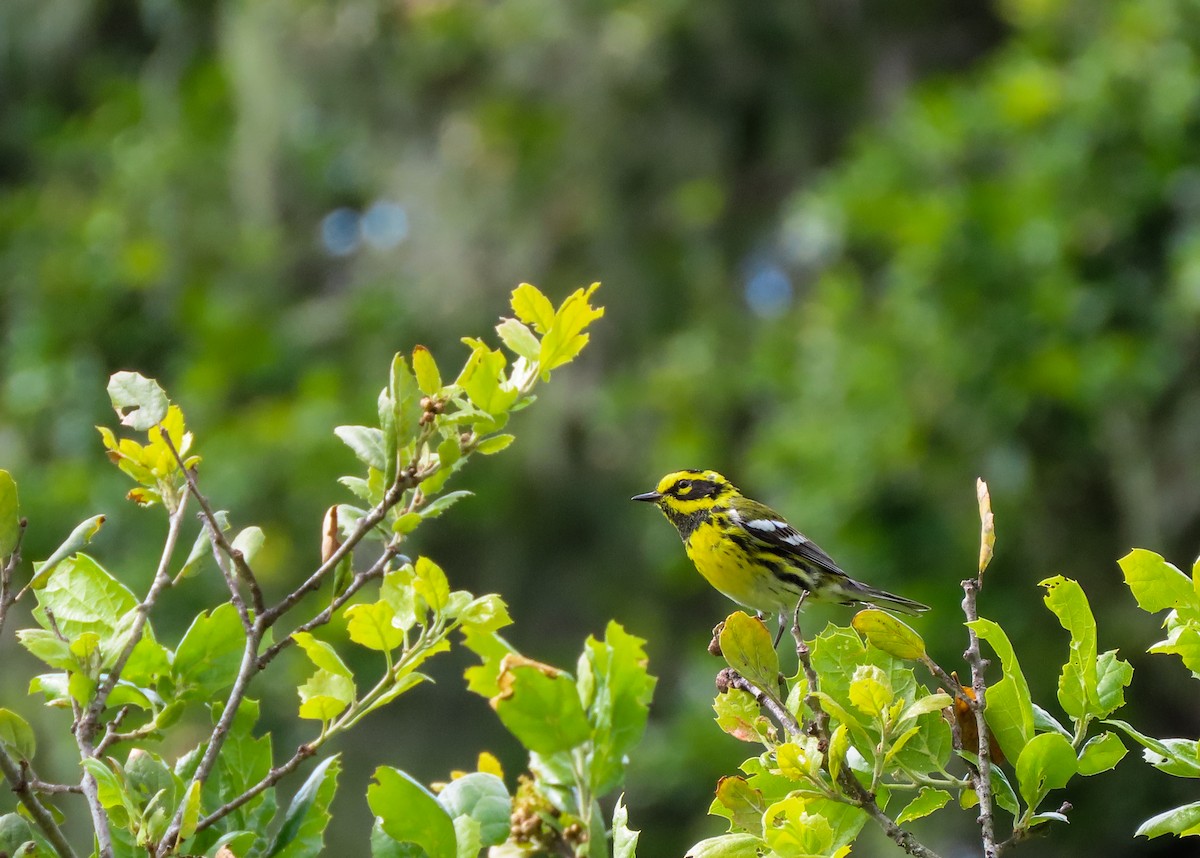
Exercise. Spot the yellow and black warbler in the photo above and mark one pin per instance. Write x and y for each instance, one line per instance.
(749, 553)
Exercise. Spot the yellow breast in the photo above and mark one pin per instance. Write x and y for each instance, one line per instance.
(728, 569)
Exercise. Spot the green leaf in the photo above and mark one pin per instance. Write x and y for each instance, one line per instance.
(483, 380)
(482, 797)
(321, 654)
(467, 837)
(889, 634)
(138, 401)
(1009, 704)
(870, 691)
(249, 541)
(1046, 763)
(16, 735)
(429, 582)
(927, 801)
(79, 537)
(371, 625)
(325, 695)
(202, 546)
(1156, 584)
(740, 803)
(738, 715)
(191, 811)
(443, 503)
(565, 337)
(615, 688)
(540, 705)
(928, 703)
(1044, 722)
(519, 339)
(789, 829)
(10, 514)
(429, 380)
(409, 813)
(111, 790)
(1178, 757)
(747, 647)
(1182, 821)
(49, 647)
(368, 444)
(493, 445)
(1078, 682)
(83, 597)
(406, 400)
(1100, 754)
(207, 659)
(727, 846)
(302, 833)
(1112, 676)
(16, 837)
(486, 614)
(532, 307)
(483, 679)
(799, 760)
(624, 840)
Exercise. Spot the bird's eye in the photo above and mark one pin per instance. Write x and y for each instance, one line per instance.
(684, 486)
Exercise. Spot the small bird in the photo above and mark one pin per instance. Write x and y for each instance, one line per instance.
(749, 553)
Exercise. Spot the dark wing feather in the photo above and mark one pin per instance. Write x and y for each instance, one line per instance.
(770, 528)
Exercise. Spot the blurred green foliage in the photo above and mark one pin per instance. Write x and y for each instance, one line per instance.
(854, 254)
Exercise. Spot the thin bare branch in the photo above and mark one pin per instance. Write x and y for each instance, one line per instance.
(220, 732)
(863, 798)
(273, 777)
(162, 580)
(19, 778)
(357, 582)
(6, 575)
(730, 678)
(983, 774)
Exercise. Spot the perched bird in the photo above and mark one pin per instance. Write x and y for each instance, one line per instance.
(749, 553)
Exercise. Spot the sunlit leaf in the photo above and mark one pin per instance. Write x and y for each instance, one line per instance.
(409, 813)
(484, 798)
(1046, 763)
(370, 625)
(10, 514)
(889, 634)
(16, 735)
(747, 647)
(1100, 754)
(429, 380)
(539, 705)
(79, 537)
(138, 401)
(927, 801)
(1155, 583)
(1182, 821)
(1009, 704)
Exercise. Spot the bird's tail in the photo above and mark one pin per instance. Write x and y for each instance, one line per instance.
(861, 593)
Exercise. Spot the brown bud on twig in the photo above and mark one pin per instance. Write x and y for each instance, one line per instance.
(329, 534)
(714, 646)
(726, 679)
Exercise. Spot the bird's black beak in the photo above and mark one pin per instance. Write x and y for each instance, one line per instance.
(649, 497)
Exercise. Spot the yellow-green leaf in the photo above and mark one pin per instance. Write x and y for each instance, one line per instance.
(566, 337)
(425, 368)
(747, 647)
(532, 307)
(10, 514)
(889, 634)
(371, 625)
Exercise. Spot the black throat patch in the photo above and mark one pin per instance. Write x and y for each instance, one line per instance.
(687, 522)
